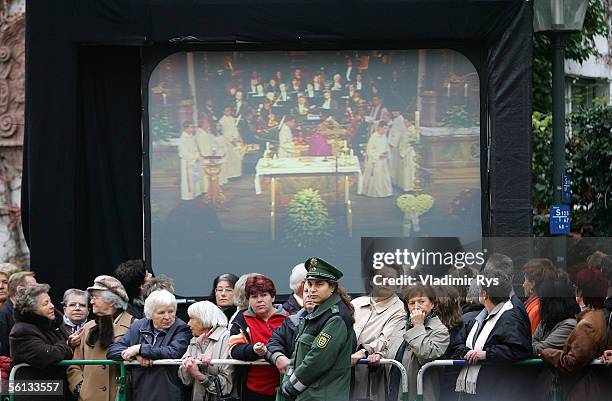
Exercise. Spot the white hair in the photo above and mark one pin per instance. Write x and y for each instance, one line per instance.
(158, 298)
(298, 274)
(208, 314)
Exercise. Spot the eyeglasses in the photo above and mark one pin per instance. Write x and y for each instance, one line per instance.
(220, 290)
(74, 305)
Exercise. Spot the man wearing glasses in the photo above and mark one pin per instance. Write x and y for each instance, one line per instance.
(75, 309)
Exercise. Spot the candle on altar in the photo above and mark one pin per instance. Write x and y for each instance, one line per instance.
(448, 89)
(164, 97)
(465, 89)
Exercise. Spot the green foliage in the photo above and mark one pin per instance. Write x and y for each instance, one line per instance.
(458, 117)
(308, 221)
(161, 128)
(589, 163)
(579, 47)
(590, 166)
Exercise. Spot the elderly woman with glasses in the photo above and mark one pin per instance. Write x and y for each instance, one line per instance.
(38, 339)
(160, 335)
(223, 294)
(109, 302)
(210, 341)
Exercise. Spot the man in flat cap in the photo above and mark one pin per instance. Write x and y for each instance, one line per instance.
(321, 365)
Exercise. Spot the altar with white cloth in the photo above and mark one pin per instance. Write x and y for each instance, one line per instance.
(345, 166)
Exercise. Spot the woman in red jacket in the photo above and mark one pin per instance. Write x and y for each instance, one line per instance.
(250, 332)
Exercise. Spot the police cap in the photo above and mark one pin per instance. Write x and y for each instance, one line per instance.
(319, 269)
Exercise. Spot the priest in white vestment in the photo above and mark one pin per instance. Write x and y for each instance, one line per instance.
(376, 177)
(285, 138)
(191, 172)
(395, 134)
(233, 143)
(210, 145)
(407, 172)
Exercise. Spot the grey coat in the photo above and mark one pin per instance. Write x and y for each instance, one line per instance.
(555, 338)
(424, 344)
(216, 345)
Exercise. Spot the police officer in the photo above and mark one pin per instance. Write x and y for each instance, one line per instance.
(321, 364)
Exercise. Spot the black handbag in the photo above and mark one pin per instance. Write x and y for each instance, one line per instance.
(219, 390)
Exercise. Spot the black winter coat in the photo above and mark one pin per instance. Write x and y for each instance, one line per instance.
(283, 338)
(508, 342)
(40, 343)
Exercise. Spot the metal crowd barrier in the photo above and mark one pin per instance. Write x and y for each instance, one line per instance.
(121, 380)
(461, 362)
(401, 368)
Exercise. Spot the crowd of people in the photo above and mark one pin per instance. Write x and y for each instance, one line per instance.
(314, 344)
(364, 108)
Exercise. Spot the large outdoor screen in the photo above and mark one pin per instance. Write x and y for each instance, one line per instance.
(259, 160)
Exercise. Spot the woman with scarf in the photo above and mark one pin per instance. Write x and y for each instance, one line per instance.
(536, 271)
(423, 339)
(109, 302)
(499, 336)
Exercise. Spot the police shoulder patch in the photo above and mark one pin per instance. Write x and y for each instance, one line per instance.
(323, 340)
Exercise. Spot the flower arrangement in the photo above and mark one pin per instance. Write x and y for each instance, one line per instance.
(413, 206)
(308, 221)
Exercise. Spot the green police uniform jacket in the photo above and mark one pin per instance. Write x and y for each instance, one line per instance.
(321, 364)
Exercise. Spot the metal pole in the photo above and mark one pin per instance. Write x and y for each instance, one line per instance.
(558, 137)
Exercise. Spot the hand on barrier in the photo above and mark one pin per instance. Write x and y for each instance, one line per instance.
(130, 353)
(260, 349)
(144, 362)
(374, 359)
(205, 359)
(282, 363)
(190, 365)
(361, 354)
(474, 356)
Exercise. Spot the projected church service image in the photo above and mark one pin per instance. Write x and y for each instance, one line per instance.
(283, 154)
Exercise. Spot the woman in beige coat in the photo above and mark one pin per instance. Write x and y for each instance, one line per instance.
(376, 318)
(423, 339)
(210, 341)
(97, 382)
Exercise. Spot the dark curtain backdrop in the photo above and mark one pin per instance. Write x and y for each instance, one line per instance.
(82, 188)
(108, 191)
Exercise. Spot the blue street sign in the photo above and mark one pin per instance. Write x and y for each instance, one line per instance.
(566, 194)
(560, 219)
